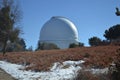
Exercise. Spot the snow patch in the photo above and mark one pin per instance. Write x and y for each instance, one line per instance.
(60, 71)
(99, 71)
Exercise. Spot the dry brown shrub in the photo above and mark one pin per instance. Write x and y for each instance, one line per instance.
(87, 75)
(114, 68)
(100, 56)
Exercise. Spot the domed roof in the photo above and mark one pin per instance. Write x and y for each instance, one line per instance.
(58, 28)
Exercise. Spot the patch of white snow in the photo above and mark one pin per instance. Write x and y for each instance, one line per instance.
(99, 71)
(59, 71)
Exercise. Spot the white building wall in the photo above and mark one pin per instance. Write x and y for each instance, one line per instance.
(60, 31)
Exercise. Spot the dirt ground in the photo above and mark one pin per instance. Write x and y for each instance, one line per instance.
(5, 76)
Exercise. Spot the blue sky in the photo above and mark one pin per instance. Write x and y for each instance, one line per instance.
(91, 17)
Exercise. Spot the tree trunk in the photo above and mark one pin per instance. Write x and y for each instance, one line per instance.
(4, 48)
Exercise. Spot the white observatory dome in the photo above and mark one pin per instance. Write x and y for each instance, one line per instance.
(60, 31)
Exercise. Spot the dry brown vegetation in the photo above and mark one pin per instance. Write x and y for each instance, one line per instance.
(87, 75)
(100, 57)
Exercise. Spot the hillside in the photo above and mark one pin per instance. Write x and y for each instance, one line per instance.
(97, 57)
(5, 76)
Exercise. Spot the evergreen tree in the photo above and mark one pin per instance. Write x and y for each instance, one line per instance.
(117, 12)
(95, 41)
(9, 17)
(113, 33)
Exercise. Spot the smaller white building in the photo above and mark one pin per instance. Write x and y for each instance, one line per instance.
(59, 31)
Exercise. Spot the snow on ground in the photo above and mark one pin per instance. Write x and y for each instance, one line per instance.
(59, 71)
(99, 71)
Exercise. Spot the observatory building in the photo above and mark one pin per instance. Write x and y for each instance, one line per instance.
(59, 31)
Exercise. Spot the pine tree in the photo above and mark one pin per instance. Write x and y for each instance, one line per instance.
(9, 17)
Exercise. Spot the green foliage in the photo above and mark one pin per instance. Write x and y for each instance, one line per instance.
(113, 32)
(9, 16)
(74, 45)
(18, 45)
(81, 44)
(117, 12)
(95, 41)
(46, 46)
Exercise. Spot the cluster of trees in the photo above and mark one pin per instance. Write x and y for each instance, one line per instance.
(18, 45)
(9, 27)
(46, 46)
(73, 45)
(49, 46)
(10, 40)
(112, 35)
